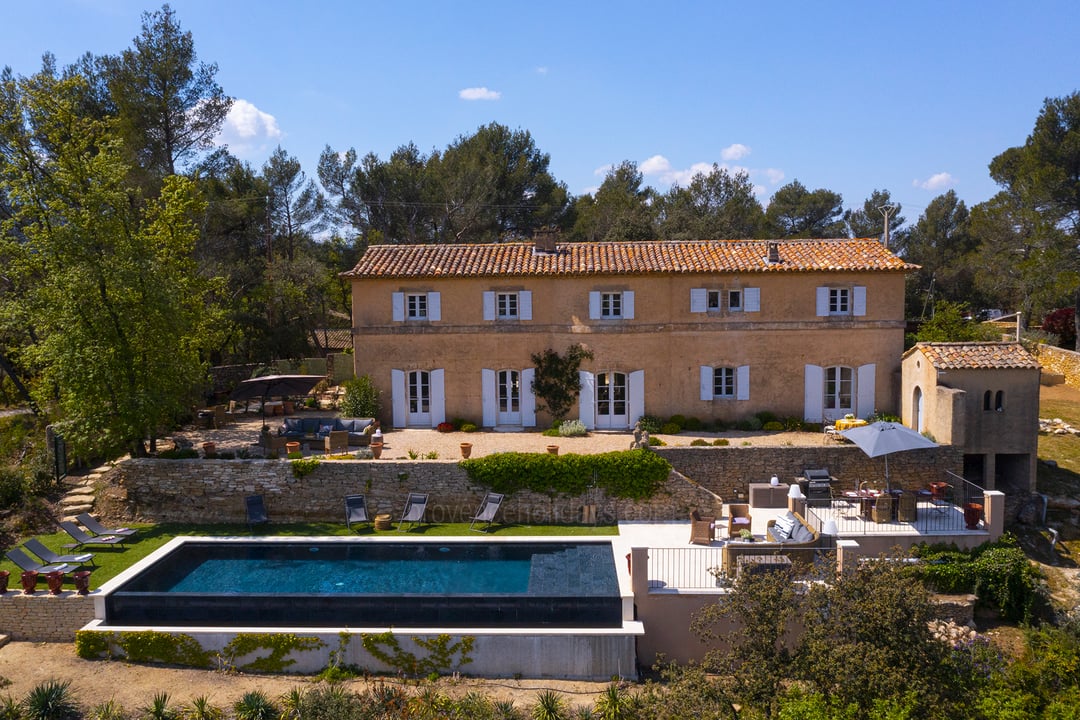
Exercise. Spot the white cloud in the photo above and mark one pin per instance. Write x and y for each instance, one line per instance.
(656, 165)
(774, 176)
(937, 181)
(736, 151)
(248, 131)
(479, 93)
(602, 170)
(542, 70)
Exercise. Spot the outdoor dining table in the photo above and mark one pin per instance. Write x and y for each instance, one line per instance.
(848, 423)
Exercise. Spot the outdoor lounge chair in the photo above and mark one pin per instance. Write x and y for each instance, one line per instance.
(81, 538)
(355, 510)
(738, 519)
(415, 507)
(256, 511)
(91, 523)
(486, 513)
(28, 564)
(48, 556)
(702, 528)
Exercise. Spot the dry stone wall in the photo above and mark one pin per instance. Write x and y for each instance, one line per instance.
(42, 617)
(1061, 362)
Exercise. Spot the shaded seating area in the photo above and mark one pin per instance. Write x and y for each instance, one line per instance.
(28, 564)
(49, 557)
(415, 509)
(356, 510)
(82, 538)
(256, 511)
(486, 512)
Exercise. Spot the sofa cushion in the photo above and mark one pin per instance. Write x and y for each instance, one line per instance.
(353, 425)
(784, 525)
(326, 428)
(801, 534)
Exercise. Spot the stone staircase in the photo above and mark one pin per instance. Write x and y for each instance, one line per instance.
(79, 496)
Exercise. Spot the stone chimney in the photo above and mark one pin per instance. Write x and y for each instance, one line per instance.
(773, 258)
(545, 240)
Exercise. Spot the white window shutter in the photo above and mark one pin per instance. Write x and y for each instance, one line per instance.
(636, 395)
(434, 307)
(489, 305)
(398, 305)
(751, 299)
(628, 304)
(698, 300)
(587, 400)
(813, 393)
(742, 382)
(488, 397)
(858, 305)
(528, 398)
(398, 398)
(594, 305)
(706, 376)
(864, 391)
(438, 397)
(822, 302)
(525, 305)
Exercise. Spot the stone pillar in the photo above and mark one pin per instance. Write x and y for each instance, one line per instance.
(847, 555)
(994, 513)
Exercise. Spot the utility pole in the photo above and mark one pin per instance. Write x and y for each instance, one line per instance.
(887, 210)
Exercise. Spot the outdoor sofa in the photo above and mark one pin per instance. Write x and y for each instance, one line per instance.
(317, 428)
(799, 543)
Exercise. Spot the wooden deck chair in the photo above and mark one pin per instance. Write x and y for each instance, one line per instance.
(356, 510)
(415, 507)
(486, 513)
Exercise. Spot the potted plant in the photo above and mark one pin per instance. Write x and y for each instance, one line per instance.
(746, 536)
(82, 581)
(972, 515)
(55, 579)
(466, 450)
(29, 581)
(376, 449)
(553, 449)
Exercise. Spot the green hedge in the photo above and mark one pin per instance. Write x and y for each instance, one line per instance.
(631, 474)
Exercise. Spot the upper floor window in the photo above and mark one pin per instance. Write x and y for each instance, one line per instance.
(720, 301)
(713, 300)
(611, 305)
(416, 306)
(994, 401)
(841, 301)
(734, 302)
(508, 305)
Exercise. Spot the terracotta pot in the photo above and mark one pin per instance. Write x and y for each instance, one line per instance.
(553, 449)
(376, 450)
(209, 449)
(29, 581)
(55, 580)
(972, 515)
(292, 447)
(82, 581)
(4, 576)
(466, 450)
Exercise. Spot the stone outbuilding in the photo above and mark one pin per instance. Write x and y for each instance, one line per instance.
(982, 397)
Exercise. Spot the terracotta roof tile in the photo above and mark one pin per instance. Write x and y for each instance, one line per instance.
(624, 258)
(976, 355)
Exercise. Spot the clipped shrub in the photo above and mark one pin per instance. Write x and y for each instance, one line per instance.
(773, 426)
(655, 441)
(698, 442)
(468, 427)
(445, 427)
(226, 455)
(572, 428)
(670, 428)
(766, 416)
(679, 420)
(751, 424)
(693, 424)
(794, 424)
(721, 442)
(632, 474)
(651, 423)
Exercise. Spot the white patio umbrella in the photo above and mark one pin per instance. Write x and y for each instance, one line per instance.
(885, 438)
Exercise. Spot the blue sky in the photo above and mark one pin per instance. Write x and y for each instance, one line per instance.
(915, 97)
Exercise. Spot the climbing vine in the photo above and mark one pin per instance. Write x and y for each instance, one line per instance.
(440, 659)
(279, 644)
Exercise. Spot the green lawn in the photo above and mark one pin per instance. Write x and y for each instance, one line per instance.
(1063, 449)
(115, 559)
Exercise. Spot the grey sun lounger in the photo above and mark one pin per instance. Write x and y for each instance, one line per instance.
(486, 513)
(91, 523)
(28, 564)
(256, 511)
(81, 538)
(355, 510)
(38, 548)
(415, 507)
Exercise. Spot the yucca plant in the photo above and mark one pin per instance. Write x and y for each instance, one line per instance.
(200, 708)
(291, 704)
(549, 705)
(10, 708)
(254, 705)
(505, 710)
(612, 703)
(50, 700)
(108, 710)
(389, 700)
(159, 709)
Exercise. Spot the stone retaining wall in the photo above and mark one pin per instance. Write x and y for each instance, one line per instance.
(1061, 362)
(210, 491)
(42, 617)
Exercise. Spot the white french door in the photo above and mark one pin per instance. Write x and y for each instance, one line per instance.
(611, 401)
(508, 397)
(419, 398)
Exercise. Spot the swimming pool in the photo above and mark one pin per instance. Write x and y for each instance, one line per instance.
(357, 582)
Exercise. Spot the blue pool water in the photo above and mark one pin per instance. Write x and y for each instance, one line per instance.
(409, 583)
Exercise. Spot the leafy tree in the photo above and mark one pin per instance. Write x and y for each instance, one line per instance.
(556, 380)
(361, 398)
(870, 222)
(942, 245)
(717, 205)
(169, 105)
(620, 209)
(105, 283)
(948, 324)
(795, 212)
(1061, 322)
(295, 202)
